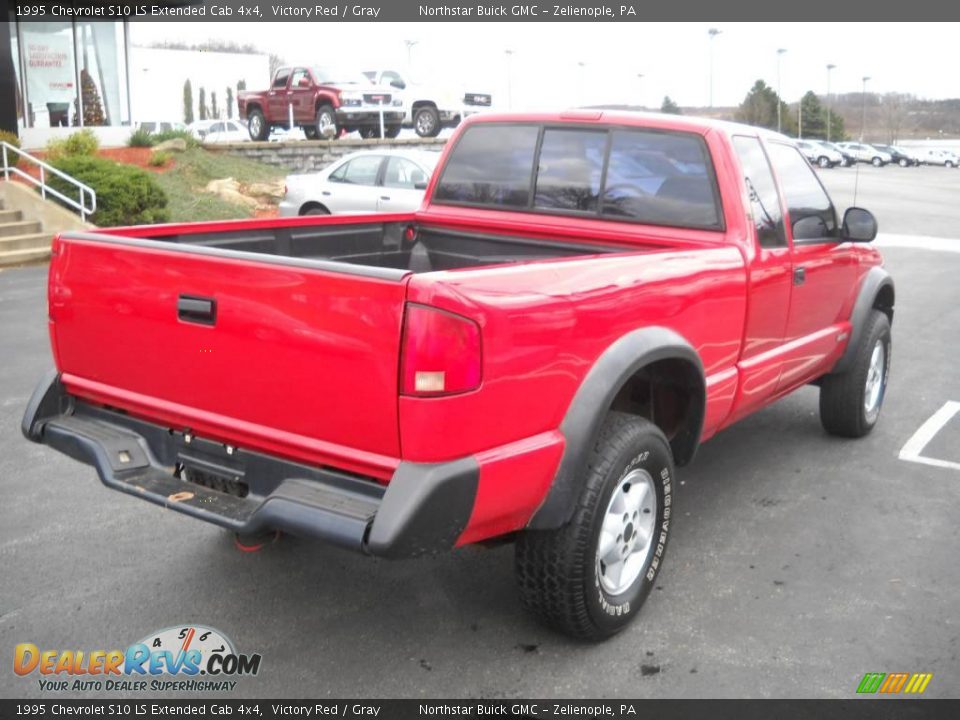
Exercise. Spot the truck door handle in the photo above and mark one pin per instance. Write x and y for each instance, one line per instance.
(384, 197)
(799, 275)
(325, 192)
(193, 309)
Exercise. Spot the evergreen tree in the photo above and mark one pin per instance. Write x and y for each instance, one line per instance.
(670, 107)
(202, 107)
(214, 110)
(229, 103)
(92, 105)
(759, 108)
(187, 102)
(813, 117)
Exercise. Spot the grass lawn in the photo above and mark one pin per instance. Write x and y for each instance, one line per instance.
(191, 172)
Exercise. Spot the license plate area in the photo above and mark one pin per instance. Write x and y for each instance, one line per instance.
(212, 465)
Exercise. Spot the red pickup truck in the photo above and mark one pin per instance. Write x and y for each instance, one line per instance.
(324, 102)
(581, 301)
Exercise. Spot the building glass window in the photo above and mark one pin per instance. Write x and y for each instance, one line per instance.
(51, 78)
(103, 82)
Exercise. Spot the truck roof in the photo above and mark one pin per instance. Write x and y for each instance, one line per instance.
(663, 121)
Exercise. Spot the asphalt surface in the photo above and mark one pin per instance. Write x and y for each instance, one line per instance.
(798, 562)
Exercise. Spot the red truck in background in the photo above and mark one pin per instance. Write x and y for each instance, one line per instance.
(581, 301)
(324, 102)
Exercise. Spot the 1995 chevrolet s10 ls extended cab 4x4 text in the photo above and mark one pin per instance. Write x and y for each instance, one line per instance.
(581, 301)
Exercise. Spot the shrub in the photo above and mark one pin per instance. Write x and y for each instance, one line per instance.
(159, 159)
(126, 195)
(141, 138)
(9, 137)
(80, 144)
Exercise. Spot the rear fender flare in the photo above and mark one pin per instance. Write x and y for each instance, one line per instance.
(593, 400)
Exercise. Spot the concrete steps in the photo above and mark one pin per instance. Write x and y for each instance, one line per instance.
(21, 240)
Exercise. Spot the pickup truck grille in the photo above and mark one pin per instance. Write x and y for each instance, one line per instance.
(377, 98)
(476, 99)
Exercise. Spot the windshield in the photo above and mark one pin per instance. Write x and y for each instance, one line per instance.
(338, 76)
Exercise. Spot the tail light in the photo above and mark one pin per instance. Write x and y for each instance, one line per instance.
(440, 353)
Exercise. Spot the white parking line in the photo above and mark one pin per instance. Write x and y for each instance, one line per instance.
(918, 242)
(915, 445)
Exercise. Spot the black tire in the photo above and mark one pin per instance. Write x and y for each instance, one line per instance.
(877, 162)
(843, 397)
(311, 133)
(823, 161)
(257, 125)
(426, 121)
(903, 162)
(558, 571)
(948, 164)
(369, 133)
(393, 131)
(326, 118)
(315, 210)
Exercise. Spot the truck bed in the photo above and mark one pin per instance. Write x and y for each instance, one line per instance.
(392, 245)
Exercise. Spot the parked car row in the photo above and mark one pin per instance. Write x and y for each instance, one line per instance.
(827, 155)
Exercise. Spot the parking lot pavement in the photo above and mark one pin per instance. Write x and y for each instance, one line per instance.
(799, 561)
(909, 201)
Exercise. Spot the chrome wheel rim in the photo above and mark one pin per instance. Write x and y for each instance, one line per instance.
(626, 532)
(255, 125)
(425, 123)
(873, 390)
(325, 124)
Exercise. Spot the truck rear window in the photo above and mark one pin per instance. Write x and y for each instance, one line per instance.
(645, 176)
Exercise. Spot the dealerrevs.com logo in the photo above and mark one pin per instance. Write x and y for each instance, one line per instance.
(183, 658)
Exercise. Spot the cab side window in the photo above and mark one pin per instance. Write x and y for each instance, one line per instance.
(762, 191)
(280, 81)
(812, 216)
(299, 75)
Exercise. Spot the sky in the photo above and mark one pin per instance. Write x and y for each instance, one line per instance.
(566, 64)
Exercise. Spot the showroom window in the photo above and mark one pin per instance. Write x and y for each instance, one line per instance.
(71, 74)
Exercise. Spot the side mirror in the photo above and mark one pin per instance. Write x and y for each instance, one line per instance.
(398, 84)
(811, 227)
(859, 225)
(420, 185)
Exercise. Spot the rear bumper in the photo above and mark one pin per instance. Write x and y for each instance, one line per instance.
(425, 508)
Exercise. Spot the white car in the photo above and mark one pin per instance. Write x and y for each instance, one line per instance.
(219, 131)
(867, 153)
(430, 107)
(940, 157)
(364, 182)
(819, 154)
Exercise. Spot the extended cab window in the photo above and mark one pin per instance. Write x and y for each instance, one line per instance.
(300, 78)
(811, 213)
(661, 179)
(762, 191)
(491, 165)
(571, 168)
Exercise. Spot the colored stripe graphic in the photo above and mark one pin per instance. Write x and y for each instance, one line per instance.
(893, 683)
(870, 683)
(918, 683)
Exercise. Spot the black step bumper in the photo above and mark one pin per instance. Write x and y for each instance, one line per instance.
(424, 508)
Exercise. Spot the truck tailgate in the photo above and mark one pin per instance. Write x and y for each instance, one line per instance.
(290, 357)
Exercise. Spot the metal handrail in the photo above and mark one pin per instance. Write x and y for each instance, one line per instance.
(85, 191)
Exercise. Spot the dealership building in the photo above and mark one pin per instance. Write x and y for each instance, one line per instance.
(56, 76)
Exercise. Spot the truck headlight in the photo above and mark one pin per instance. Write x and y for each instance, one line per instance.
(397, 102)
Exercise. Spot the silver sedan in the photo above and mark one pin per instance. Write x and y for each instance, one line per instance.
(363, 182)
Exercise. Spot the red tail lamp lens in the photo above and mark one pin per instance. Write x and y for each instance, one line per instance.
(440, 354)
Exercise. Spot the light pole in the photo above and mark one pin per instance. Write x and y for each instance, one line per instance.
(780, 52)
(509, 54)
(712, 33)
(863, 107)
(830, 68)
(583, 77)
(410, 45)
(639, 88)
